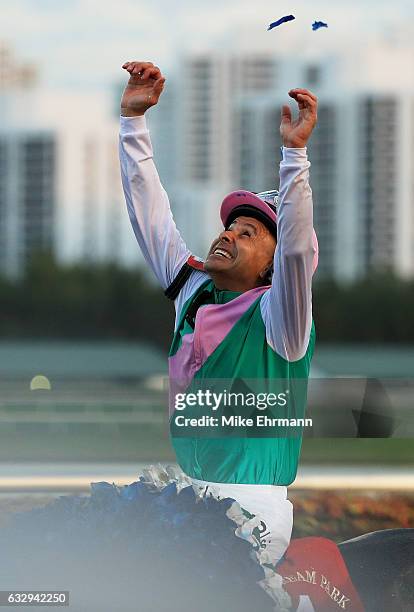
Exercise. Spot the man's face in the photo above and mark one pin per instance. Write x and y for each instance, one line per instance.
(238, 258)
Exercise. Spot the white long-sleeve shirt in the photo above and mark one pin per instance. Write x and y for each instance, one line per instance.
(286, 307)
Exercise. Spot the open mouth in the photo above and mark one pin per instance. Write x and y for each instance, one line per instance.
(222, 253)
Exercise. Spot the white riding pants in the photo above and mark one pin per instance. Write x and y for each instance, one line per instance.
(273, 514)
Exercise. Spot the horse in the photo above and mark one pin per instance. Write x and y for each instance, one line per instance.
(381, 566)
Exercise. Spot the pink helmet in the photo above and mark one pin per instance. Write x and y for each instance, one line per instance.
(261, 206)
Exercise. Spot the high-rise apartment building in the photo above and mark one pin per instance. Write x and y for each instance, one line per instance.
(259, 156)
(27, 172)
(208, 118)
(209, 136)
(215, 129)
(229, 136)
(362, 150)
(385, 145)
(60, 186)
(27, 197)
(60, 192)
(324, 155)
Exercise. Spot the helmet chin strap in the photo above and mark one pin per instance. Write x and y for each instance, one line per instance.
(266, 275)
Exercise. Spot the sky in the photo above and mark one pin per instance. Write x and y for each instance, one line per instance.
(83, 43)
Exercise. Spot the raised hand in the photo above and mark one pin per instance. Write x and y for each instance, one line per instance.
(143, 88)
(295, 133)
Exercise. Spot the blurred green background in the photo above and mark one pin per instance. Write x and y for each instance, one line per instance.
(101, 334)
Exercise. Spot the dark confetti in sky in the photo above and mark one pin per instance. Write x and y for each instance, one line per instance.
(319, 24)
(280, 21)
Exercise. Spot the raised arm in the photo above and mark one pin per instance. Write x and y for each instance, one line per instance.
(287, 306)
(147, 202)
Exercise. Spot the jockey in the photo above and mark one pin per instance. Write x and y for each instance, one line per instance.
(243, 314)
